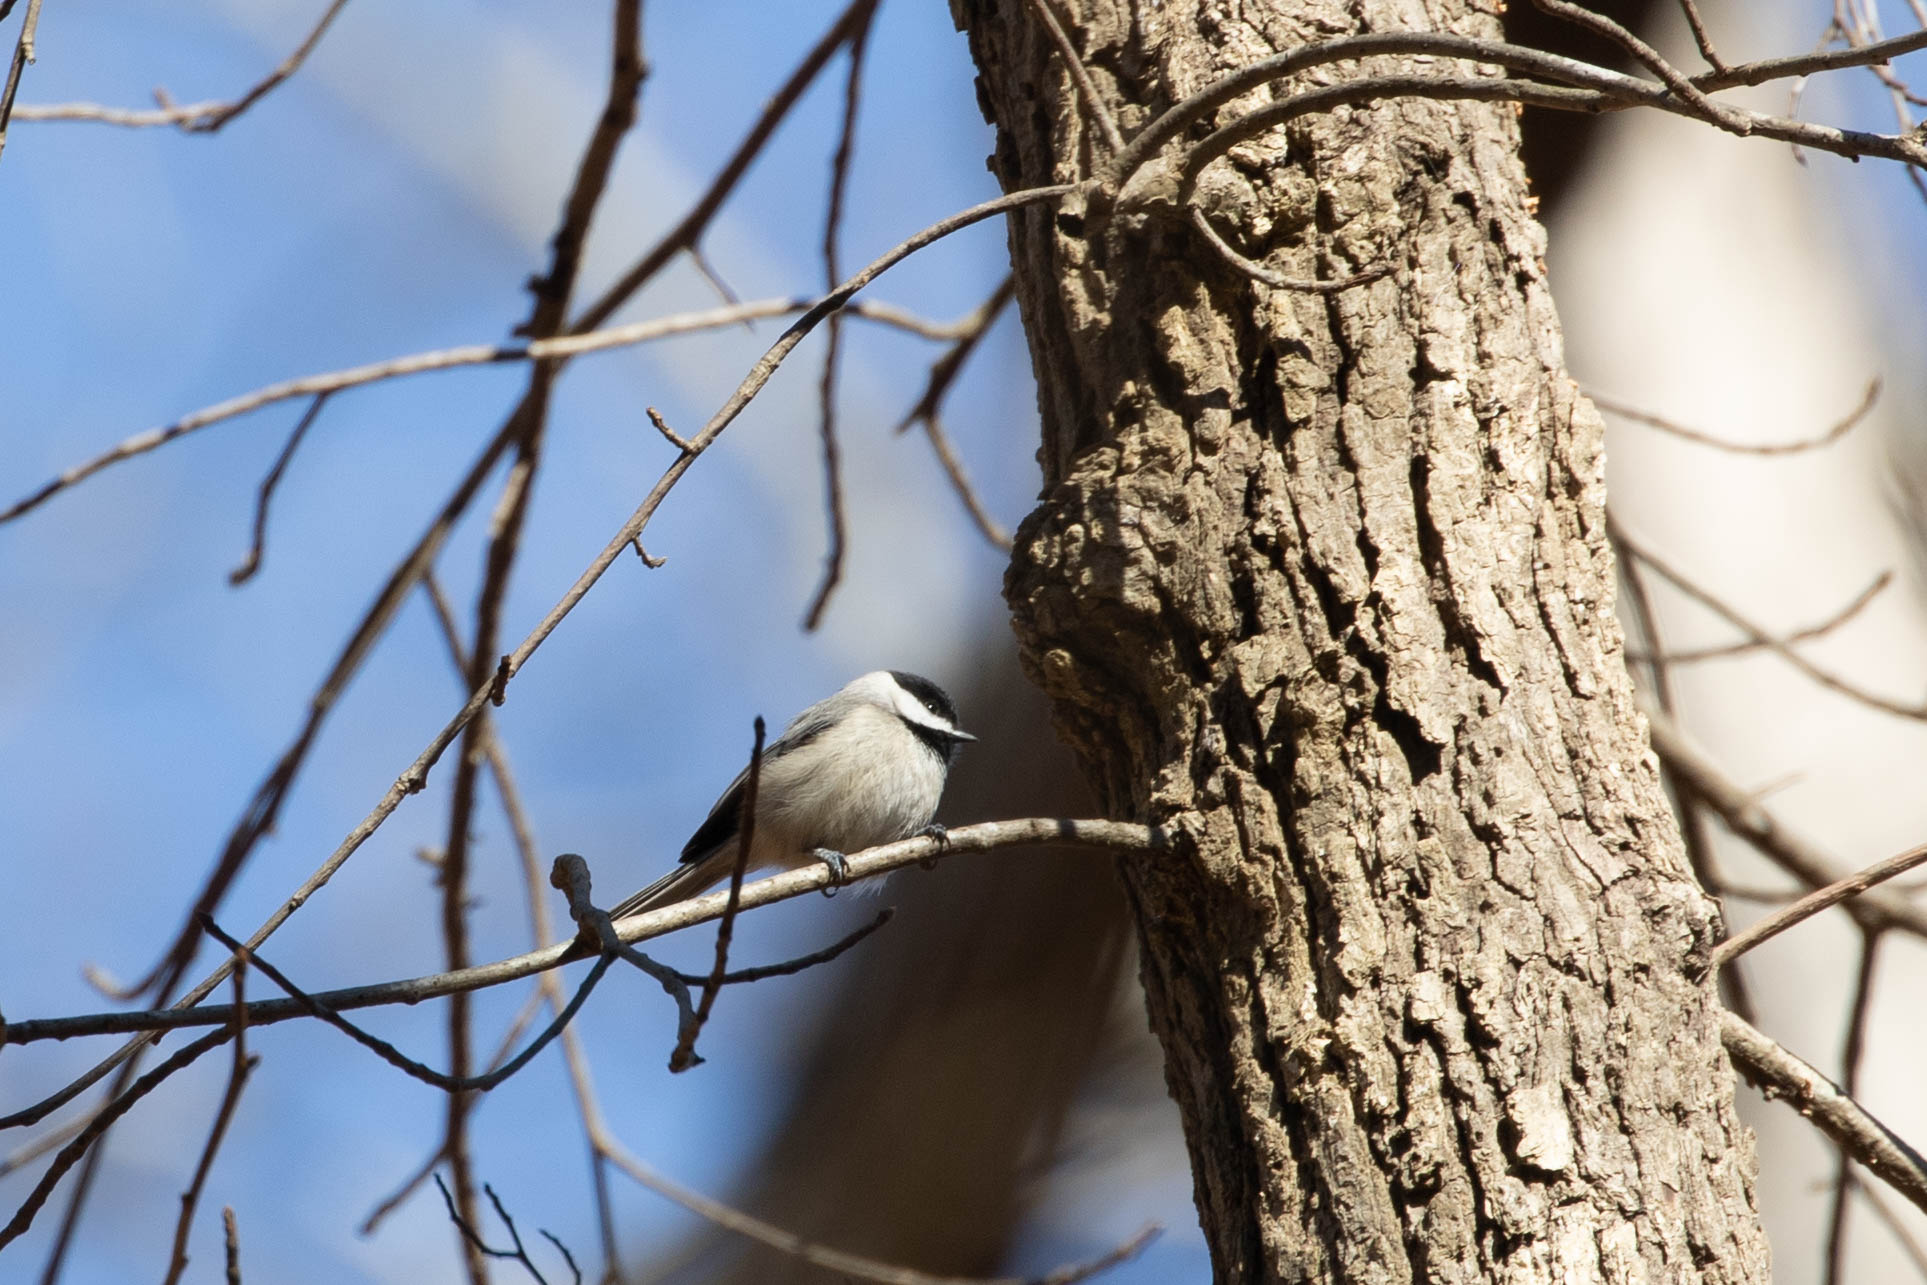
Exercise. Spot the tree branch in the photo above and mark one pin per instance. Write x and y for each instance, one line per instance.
(987, 836)
(191, 118)
(1779, 1074)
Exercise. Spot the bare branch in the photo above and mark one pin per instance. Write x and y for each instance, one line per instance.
(396, 367)
(28, 1152)
(237, 1081)
(570, 873)
(1760, 638)
(519, 1253)
(1779, 1074)
(987, 836)
(683, 1056)
(688, 233)
(542, 934)
(1080, 75)
(973, 503)
(888, 314)
(1804, 634)
(927, 411)
(1828, 438)
(1579, 87)
(22, 55)
(1278, 280)
(1741, 812)
(1815, 902)
(833, 346)
(1700, 38)
(854, 1265)
(967, 334)
(1896, 1226)
(1669, 75)
(317, 1006)
(99, 1124)
(1851, 1059)
(192, 118)
(252, 563)
(790, 967)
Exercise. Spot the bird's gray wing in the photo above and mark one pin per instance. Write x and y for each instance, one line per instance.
(724, 818)
(710, 856)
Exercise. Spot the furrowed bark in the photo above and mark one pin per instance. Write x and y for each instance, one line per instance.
(1321, 583)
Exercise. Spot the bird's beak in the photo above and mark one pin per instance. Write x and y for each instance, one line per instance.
(957, 733)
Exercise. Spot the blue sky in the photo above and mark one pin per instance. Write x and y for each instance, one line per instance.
(391, 198)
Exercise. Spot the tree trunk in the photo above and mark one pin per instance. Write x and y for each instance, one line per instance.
(1321, 584)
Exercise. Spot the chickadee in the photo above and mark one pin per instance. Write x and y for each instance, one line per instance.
(864, 767)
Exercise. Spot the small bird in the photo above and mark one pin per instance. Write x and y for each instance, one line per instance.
(863, 767)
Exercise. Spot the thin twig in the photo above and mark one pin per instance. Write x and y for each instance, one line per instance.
(928, 408)
(1815, 902)
(1851, 1057)
(1693, 824)
(1896, 1225)
(570, 873)
(684, 1056)
(237, 1081)
(987, 836)
(1673, 78)
(707, 271)
(400, 1195)
(1760, 638)
(953, 469)
(1828, 438)
(687, 233)
(1806, 633)
(232, 1236)
(252, 563)
(791, 967)
(888, 314)
(1700, 38)
(674, 438)
(192, 118)
(1278, 280)
(317, 1006)
(395, 367)
(288, 67)
(22, 1156)
(1779, 1074)
(84, 1140)
(1740, 810)
(969, 333)
(833, 330)
(23, 52)
(519, 1253)
(1080, 76)
(853, 1265)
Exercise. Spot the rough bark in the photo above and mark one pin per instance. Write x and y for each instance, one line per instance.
(1321, 583)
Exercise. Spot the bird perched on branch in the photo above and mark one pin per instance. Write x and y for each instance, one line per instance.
(863, 767)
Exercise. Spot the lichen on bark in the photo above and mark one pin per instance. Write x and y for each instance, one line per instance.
(1320, 582)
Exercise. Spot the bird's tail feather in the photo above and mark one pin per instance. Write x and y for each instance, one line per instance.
(687, 880)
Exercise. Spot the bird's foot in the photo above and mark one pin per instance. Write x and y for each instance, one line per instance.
(941, 835)
(839, 868)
